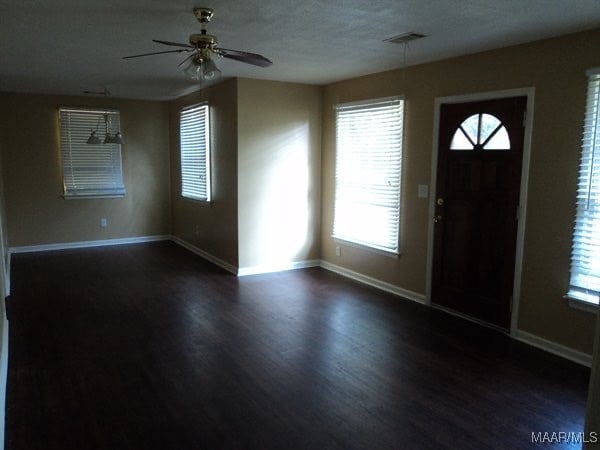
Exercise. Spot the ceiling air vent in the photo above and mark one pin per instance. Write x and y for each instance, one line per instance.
(404, 38)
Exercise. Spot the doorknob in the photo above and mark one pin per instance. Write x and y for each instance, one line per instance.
(437, 219)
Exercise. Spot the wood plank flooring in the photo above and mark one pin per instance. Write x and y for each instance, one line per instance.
(149, 347)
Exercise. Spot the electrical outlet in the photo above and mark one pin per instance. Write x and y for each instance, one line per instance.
(103, 222)
(338, 250)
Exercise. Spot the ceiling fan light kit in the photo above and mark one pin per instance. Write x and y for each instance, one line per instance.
(117, 138)
(200, 70)
(93, 139)
(200, 65)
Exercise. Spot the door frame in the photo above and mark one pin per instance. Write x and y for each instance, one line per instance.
(528, 92)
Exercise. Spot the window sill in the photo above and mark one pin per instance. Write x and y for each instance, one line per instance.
(90, 197)
(388, 253)
(582, 305)
(198, 201)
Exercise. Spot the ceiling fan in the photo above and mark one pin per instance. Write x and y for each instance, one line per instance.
(200, 64)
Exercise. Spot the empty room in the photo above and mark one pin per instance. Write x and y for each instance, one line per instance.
(299, 225)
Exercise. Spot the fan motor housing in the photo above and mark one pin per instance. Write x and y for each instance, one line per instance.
(203, 40)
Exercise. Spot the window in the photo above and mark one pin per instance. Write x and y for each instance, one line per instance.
(481, 131)
(585, 255)
(90, 170)
(195, 152)
(367, 173)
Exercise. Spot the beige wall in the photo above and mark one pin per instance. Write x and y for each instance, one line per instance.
(210, 227)
(4, 254)
(279, 169)
(556, 68)
(36, 212)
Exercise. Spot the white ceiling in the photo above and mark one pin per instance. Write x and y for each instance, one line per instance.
(68, 46)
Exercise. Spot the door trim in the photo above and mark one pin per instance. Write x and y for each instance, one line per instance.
(528, 92)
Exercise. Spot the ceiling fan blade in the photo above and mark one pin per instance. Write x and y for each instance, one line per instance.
(250, 58)
(176, 44)
(155, 53)
(185, 60)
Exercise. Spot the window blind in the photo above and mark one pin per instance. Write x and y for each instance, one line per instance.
(585, 256)
(195, 152)
(367, 173)
(89, 170)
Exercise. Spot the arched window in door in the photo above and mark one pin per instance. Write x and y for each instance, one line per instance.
(481, 132)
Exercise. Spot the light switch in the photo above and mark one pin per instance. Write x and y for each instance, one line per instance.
(423, 191)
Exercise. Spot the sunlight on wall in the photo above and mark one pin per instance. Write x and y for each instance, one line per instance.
(284, 198)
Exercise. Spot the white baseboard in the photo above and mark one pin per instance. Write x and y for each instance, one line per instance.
(3, 376)
(384, 286)
(211, 258)
(245, 271)
(255, 270)
(84, 244)
(552, 347)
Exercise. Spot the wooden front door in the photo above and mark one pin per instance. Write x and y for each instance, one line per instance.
(480, 153)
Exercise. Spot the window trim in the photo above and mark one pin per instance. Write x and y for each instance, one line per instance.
(393, 253)
(208, 151)
(361, 246)
(575, 300)
(102, 193)
(582, 305)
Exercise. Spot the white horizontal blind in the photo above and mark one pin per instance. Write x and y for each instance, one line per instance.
(367, 173)
(195, 152)
(585, 257)
(90, 170)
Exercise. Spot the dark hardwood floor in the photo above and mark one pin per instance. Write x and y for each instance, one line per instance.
(149, 347)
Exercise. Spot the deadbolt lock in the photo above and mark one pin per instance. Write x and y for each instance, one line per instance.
(440, 201)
